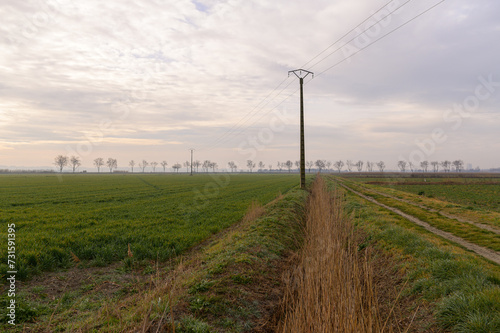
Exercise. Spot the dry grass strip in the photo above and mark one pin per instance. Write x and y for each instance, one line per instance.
(332, 288)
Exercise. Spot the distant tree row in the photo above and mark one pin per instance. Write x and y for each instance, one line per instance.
(319, 164)
(350, 165)
(369, 166)
(144, 164)
(61, 161)
(74, 162)
(446, 166)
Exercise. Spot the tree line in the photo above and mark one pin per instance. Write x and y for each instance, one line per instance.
(74, 162)
(61, 161)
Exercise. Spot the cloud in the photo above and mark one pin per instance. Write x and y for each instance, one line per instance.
(179, 74)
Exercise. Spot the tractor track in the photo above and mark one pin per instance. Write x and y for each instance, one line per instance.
(449, 216)
(491, 255)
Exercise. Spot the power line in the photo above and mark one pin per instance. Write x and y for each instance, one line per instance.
(359, 34)
(347, 33)
(249, 115)
(338, 63)
(265, 114)
(236, 127)
(224, 137)
(375, 41)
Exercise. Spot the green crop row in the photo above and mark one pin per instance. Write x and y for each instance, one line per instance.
(95, 219)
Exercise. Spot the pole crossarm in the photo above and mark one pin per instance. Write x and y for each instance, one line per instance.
(302, 73)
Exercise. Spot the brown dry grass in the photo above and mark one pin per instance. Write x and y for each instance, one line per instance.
(332, 288)
(255, 211)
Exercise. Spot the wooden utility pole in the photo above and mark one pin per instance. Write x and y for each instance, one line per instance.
(301, 74)
(191, 161)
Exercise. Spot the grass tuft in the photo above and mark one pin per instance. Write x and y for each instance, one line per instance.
(466, 312)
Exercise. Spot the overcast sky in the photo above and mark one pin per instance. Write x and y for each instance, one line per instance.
(151, 79)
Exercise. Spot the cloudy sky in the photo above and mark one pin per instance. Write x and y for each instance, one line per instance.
(150, 79)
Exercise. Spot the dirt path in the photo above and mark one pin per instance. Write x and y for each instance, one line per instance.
(450, 216)
(486, 253)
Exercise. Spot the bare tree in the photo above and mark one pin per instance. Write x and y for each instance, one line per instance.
(214, 166)
(402, 165)
(61, 161)
(410, 164)
(289, 165)
(459, 165)
(297, 165)
(99, 162)
(164, 165)
(232, 166)
(349, 165)
(381, 166)
(176, 167)
(328, 165)
(338, 165)
(424, 165)
(261, 166)
(359, 166)
(435, 166)
(154, 165)
(320, 164)
(187, 165)
(369, 166)
(206, 165)
(143, 165)
(446, 166)
(250, 165)
(112, 164)
(132, 164)
(197, 164)
(309, 165)
(75, 162)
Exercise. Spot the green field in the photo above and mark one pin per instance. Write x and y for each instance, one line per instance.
(464, 288)
(93, 218)
(82, 227)
(477, 196)
(474, 192)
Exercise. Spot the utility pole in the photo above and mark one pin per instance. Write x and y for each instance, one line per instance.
(301, 74)
(191, 161)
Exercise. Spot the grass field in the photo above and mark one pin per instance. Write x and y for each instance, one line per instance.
(462, 285)
(476, 196)
(103, 251)
(459, 219)
(469, 190)
(94, 218)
